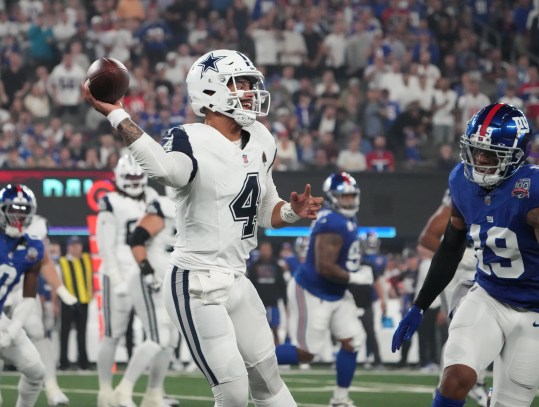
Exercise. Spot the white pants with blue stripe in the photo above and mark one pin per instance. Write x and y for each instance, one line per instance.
(222, 320)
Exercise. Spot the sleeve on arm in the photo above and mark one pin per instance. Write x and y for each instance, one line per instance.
(271, 199)
(154, 208)
(443, 266)
(172, 164)
(106, 242)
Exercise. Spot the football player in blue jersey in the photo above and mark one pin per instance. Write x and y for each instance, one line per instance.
(318, 299)
(366, 294)
(20, 257)
(494, 206)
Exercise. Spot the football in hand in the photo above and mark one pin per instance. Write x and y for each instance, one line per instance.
(108, 79)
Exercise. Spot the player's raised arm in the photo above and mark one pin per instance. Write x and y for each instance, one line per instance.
(173, 169)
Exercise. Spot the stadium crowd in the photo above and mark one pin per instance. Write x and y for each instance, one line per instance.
(366, 85)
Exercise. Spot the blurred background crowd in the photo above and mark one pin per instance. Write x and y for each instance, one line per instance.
(357, 85)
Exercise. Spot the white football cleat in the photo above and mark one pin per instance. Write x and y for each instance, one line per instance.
(119, 398)
(344, 402)
(56, 397)
(479, 393)
(103, 397)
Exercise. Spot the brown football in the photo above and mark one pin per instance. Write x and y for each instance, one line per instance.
(108, 79)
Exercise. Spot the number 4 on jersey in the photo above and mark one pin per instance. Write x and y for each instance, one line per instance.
(244, 206)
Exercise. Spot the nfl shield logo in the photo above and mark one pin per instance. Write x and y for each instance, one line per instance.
(522, 188)
(245, 159)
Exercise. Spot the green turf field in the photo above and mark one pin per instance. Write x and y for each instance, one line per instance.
(311, 388)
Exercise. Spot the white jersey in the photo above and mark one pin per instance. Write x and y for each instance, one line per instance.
(160, 245)
(113, 231)
(230, 191)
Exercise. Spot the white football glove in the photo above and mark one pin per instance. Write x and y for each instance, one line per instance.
(148, 274)
(66, 297)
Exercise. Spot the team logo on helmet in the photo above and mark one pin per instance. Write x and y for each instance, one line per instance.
(522, 188)
(209, 63)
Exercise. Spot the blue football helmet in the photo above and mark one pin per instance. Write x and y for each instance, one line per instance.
(495, 144)
(342, 193)
(17, 207)
(370, 243)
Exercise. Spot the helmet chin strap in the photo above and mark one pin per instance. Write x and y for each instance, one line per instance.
(244, 118)
(486, 180)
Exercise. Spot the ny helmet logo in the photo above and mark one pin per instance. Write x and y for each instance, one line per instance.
(522, 125)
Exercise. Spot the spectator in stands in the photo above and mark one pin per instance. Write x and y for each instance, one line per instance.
(306, 149)
(154, 35)
(446, 158)
(293, 49)
(380, 159)
(470, 103)
(15, 78)
(510, 97)
(287, 155)
(63, 30)
(314, 62)
(64, 88)
(357, 46)
(529, 92)
(443, 108)
(41, 37)
(37, 102)
(373, 118)
(335, 47)
(351, 159)
(266, 43)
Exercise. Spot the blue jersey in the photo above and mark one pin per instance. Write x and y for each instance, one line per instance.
(377, 262)
(505, 245)
(349, 258)
(17, 255)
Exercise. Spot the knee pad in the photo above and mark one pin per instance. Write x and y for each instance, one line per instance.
(281, 399)
(264, 379)
(357, 342)
(231, 394)
(34, 372)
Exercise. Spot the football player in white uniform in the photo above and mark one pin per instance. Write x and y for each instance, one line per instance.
(119, 212)
(34, 325)
(221, 172)
(429, 240)
(151, 243)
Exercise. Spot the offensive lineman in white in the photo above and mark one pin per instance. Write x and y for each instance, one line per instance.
(34, 325)
(221, 173)
(119, 212)
(151, 243)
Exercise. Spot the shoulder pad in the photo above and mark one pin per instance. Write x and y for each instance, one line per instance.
(104, 204)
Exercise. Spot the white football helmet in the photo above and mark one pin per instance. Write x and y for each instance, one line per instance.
(208, 83)
(129, 177)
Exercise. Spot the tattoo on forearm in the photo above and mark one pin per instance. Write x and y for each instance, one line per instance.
(129, 131)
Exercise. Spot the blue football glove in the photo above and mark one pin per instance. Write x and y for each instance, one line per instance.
(407, 327)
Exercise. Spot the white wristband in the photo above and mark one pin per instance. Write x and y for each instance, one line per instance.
(117, 116)
(288, 215)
